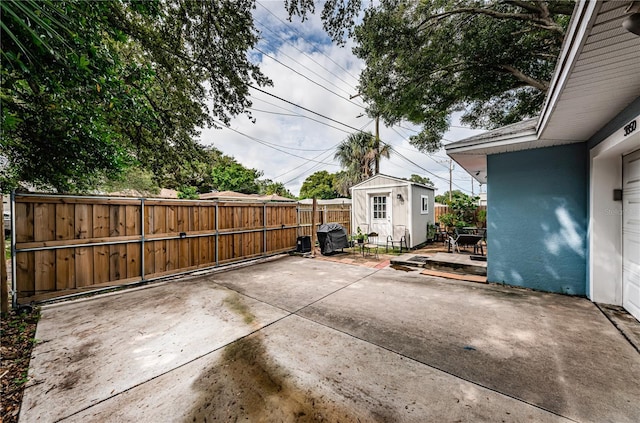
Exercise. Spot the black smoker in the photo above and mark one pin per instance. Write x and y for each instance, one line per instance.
(332, 237)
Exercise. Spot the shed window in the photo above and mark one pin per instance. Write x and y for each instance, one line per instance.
(379, 207)
(424, 200)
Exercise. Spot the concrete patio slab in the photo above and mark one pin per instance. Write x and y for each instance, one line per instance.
(281, 374)
(91, 349)
(557, 352)
(307, 340)
(284, 284)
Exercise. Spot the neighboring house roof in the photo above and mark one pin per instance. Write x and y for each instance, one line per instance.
(232, 195)
(275, 197)
(333, 201)
(595, 79)
(400, 181)
(223, 194)
(164, 193)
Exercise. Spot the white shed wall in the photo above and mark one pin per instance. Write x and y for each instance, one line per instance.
(405, 211)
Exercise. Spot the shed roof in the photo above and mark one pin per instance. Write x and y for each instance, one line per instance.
(400, 181)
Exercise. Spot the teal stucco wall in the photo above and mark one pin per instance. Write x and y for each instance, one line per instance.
(537, 218)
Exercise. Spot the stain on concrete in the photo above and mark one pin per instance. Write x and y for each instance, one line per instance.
(402, 268)
(235, 303)
(75, 358)
(246, 385)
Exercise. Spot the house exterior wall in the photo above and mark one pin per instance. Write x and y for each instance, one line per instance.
(537, 217)
(419, 220)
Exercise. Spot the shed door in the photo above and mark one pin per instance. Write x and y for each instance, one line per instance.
(380, 215)
(631, 233)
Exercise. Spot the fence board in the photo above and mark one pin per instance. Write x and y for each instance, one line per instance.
(65, 259)
(84, 255)
(100, 222)
(45, 261)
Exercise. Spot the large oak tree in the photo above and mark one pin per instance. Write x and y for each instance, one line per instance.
(492, 60)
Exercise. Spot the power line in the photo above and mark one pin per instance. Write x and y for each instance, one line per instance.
(268, 144)
(301, 36)
(315, 166)
(306, 55)
(299, 115)
(308, 79)
(392, 128)
(304, 108)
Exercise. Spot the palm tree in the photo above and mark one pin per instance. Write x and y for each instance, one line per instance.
(358, 156)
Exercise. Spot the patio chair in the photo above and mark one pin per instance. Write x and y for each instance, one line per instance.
(479, 246)
(441, 234)
(371, 244)
(464, 240)
(399, 237)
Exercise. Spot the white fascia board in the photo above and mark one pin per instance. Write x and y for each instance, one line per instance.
(496, 143)
(377, 187)
(583, 18)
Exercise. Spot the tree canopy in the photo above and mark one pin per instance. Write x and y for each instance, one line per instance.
(491, 60)
(358, 156)
(320, 185)
(91, 88)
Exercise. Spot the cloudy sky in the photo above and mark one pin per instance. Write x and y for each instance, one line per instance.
(289, 143)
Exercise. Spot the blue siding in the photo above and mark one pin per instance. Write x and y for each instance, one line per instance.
(537, 217)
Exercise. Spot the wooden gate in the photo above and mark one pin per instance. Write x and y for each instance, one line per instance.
(67, 244)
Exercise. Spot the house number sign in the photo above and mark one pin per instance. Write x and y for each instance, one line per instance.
(630, 128)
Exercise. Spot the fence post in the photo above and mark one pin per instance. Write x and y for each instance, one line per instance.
(14, 261)
(314, 206)
(217, 233)
(4, 290)
(142, 238)
(264, 230)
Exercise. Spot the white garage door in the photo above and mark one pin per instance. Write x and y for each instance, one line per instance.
(631, 233)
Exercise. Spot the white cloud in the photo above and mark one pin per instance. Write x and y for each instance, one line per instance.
(335, 68)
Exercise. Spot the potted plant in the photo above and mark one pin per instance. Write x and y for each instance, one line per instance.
(360, 237)
(448, 220)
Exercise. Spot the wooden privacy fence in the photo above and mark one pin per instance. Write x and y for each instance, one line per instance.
(324, 214)
(66, 244)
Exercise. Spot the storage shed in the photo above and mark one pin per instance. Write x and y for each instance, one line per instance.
(393, 206)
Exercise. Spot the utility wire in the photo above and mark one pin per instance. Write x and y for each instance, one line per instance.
(304, 108)
(302, 116)
(427, 155)
(317, 165)
(309, 79)
(268, 144)
(301, 36)
(309, 57)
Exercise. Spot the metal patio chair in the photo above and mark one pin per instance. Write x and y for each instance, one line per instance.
(371, 244)
(399, 237)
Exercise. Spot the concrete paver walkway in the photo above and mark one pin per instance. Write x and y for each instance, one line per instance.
(309, 340)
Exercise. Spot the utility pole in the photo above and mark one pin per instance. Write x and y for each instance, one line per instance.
(472, 187)
(450, 181)
(376, 141)
(376, 145)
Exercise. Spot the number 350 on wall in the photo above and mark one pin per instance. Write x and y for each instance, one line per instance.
(630, 128)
